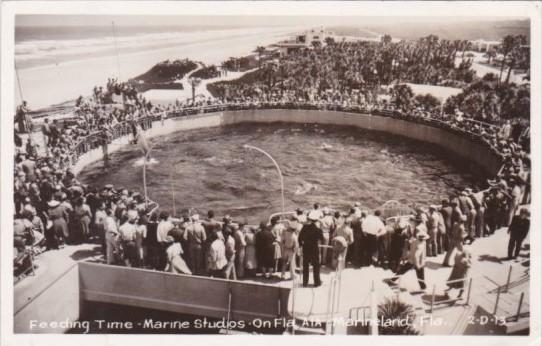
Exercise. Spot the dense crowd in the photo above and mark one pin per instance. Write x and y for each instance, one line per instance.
(53, 209)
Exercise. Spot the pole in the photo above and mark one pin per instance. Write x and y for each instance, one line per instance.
(468, 293)
(519, 306)
(497, 300)
(19, 83)
(374, 315)
(432, 299)
(173, 195)
(246, 146)
(145, 179)
(116, 49)
(508, 280)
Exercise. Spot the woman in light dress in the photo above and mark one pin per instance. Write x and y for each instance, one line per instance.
(251, 263)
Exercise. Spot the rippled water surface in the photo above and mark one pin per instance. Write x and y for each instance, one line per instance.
(209, 169)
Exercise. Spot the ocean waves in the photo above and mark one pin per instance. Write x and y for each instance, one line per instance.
(53, 51)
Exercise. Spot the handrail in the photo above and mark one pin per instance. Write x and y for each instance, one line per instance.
(123, 128)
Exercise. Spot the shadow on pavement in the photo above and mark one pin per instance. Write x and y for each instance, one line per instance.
(491, 258)
(86, 253)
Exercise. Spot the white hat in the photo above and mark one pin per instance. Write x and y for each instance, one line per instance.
(132, 215)
(402, 224)
(53, 203)
(195, 217)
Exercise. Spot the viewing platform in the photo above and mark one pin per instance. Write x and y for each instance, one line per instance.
(75, 276)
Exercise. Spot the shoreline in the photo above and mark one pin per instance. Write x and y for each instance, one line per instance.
(95, 71)
(132, 51)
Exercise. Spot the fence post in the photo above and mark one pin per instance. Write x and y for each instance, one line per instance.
(519, 306)
(229, 310)
(497, 300)
(432, 299)
(468, 292)
(508, 280)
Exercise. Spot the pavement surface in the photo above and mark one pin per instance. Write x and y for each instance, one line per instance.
(340, 295)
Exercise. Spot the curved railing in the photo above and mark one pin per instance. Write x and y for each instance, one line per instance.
(100, 137)
(426, 120)
(97, 138)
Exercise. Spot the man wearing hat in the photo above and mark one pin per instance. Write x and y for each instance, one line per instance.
(518, 230)
(414, 258)
(29, 168)
(211, 226)
(58, 233)
(240, 249)
(163, 238)
(301, 219)
(467, 208)
(290, 248)
(327, 224)
(131, 241)
(195, 236)
(344, 235)
(397, 244)
(309, 238)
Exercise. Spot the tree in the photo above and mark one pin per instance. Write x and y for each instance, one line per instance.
(506, 47)
(395, 310)
(402, 95)
(260, 50)
(427, 101)
(330, 41)
(517, 55)
(490, 54)
(386, 39)
(194, 82)
(490, 77)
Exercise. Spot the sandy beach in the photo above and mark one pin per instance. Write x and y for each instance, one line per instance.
(78, 77)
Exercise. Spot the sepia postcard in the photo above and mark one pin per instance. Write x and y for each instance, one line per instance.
(175, 172)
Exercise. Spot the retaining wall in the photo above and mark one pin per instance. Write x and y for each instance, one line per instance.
(449, 142)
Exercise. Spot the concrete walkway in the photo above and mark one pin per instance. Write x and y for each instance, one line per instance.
(489, 270)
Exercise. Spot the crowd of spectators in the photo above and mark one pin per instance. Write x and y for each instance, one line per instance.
(53, 209)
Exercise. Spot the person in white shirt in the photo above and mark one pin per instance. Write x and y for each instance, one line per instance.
(373, 228)
(111, 234)
(327, 223)
(164, 227)
(217, 255)
(176, 263)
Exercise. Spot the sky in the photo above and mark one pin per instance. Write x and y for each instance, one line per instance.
(174, 20)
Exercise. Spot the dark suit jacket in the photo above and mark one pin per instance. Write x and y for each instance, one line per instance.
(519, 227)
(308, 239)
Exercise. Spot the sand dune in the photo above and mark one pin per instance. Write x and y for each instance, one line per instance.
(47, 85)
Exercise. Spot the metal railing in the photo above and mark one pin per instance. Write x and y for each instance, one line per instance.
(104, 136)
(432, 302)
(504, 289)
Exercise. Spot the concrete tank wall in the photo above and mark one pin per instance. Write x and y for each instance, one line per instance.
(181, 293)
(457, 144)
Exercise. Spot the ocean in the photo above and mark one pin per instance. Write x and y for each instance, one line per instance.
(57, 64)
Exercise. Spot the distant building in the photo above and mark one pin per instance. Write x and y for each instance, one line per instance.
(308, 39)
(484, 46)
